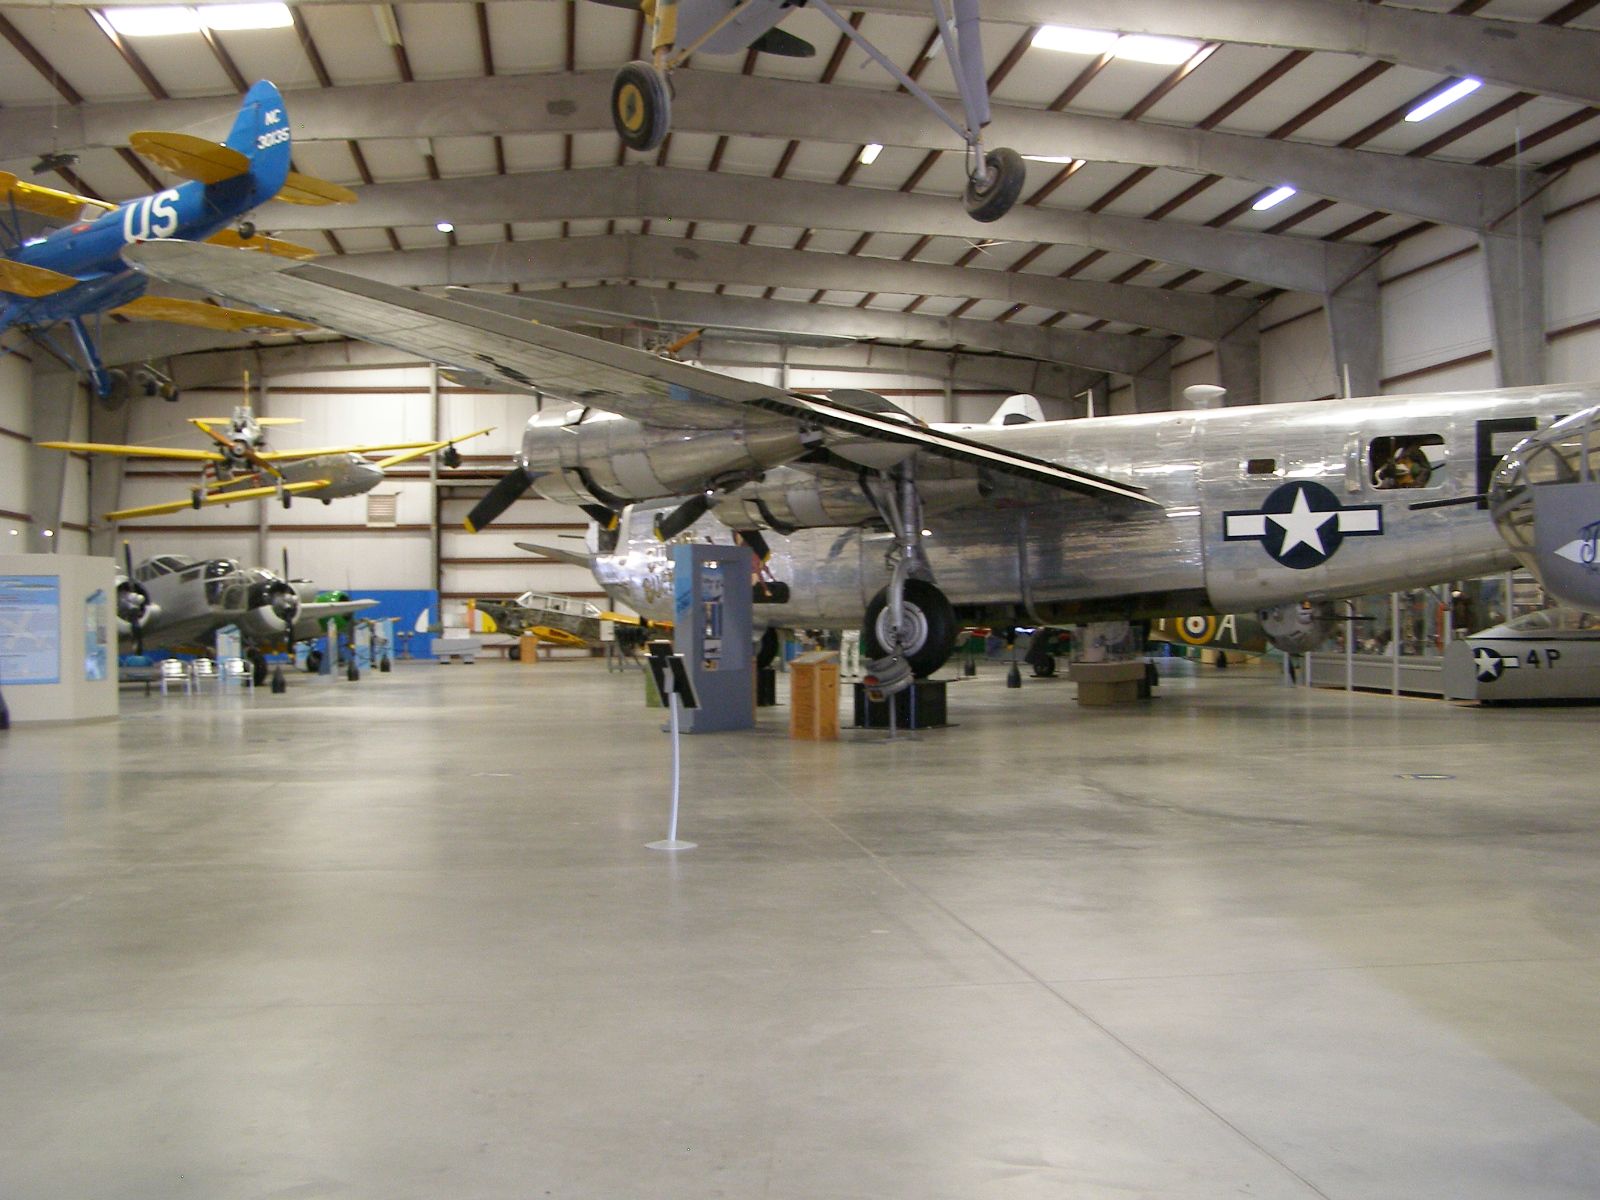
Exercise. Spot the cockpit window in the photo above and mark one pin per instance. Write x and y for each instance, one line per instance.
(1414, 460)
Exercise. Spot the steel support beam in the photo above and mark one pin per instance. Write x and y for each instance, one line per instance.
(1239, 363)
(52, 398)
(1514, 257)
(723, 103)
(963, 370)
(665, 194)
(1544, 59)
(1355, 331)
(1152, 388)
(646, 258)
(1538, 58)
(1122, 354)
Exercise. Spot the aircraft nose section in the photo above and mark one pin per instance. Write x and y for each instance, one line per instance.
(368, 475)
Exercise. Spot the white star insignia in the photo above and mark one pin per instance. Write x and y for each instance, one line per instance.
(1301, 525)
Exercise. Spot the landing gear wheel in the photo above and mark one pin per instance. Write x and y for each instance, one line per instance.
(313, 662)
(450, 457)
(641, 106)
(118, 389)
(992, 200)
(258, 666)
(928, 632)
(247, 230)
(515, 653)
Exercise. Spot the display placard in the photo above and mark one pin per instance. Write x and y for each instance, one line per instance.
(30, 629)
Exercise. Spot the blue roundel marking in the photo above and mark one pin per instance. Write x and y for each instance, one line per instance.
(1302, 524)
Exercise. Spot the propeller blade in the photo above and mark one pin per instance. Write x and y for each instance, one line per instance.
(501, 497)
(135, 623)
(686, 514)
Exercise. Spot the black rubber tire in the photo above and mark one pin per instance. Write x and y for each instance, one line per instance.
(1007, 175)
(767, 650)
(247, 230)
(313, 662)
(258, 666)
(930, 615)
(641, 106)
(514, 654)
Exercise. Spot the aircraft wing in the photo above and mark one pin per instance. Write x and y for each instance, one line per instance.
(172, 452)
(303, 189)
(189, 157)
(20, 279)
(539, 359)
(255, 493)
(231, 239)
(308, 624)
(394, 460)
(208, 316)
(48, 202)
(584, 560)
(416, 450)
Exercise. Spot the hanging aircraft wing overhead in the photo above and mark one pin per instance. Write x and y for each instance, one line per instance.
(556, 362)
(207, 316)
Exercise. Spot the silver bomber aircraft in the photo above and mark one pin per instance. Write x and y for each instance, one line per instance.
(856, 508)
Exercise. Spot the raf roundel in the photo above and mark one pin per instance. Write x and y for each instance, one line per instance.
(1302, 524)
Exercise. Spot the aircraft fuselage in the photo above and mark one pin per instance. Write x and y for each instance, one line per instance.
(1259, 506)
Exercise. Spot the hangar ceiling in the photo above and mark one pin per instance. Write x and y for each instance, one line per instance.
(495, 117)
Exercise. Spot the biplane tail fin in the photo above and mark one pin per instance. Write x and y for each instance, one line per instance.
(261, 133)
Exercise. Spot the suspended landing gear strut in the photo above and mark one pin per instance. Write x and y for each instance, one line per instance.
(910, 628)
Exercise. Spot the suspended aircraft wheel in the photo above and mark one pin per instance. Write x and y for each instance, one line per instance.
(927, 630)
(247, 230)
(641, 106)
(451, 457)
(992, 199)
(118, 389)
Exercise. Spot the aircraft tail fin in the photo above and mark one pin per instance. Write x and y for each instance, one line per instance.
(261, 133)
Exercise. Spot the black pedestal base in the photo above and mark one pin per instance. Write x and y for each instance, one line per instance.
(920, 706)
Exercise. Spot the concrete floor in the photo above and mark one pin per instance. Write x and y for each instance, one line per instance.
(402, 939)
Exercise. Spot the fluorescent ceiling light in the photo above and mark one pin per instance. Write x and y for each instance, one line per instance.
(152, 22)
(1273, 198)
(1444, 99)
(1165, 51)
(869, 153)
(1063, 159)
(1135, 47)
(1068, 40)
(165, 20)
(228, 17)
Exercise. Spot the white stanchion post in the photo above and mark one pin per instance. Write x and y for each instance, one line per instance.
(672, 842)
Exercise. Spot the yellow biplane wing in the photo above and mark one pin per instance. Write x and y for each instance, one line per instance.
(413, 450)
(303, 189)
(134, 451)
(208, 316)
(267, 245)
(190, 157)
(202, 422)
(419, 451)
(48, 202)
(172, 506)
(20, 279)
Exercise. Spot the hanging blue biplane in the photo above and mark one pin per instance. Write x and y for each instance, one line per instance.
(75, 272)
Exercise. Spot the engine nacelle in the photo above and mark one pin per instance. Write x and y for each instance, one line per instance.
(1298, 628)
(274, 605)
(579, 457)
(133, 606)
(1545, 498)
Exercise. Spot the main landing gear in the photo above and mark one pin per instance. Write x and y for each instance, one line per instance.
(641, 92)
(910, 629)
